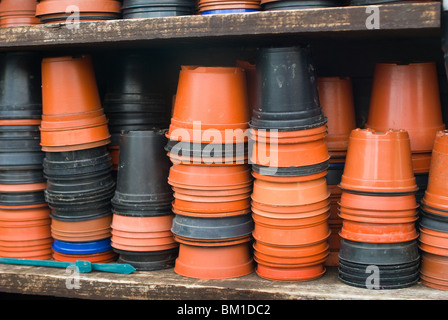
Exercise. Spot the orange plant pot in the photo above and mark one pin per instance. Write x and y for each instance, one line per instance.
(378, 233)
(289, 155)
(143, 248)
(25, 224)
(293, 261)
(289, 252)
(288, 137)
(291, 209)
(86, 230)
(434, 269)
(421, 162)
(23, 187)
(359, 217)
(142, 224)
(436, 195)
(24, 214)
(290, 194)
(209, 177)
(143, 242)
(214, 262)
(212, 193)
(373, 214)
(336, 98)
(378, 162)
(433, 238)
(15, 20)
(280, 179)
(212, 204)
(25, 233)
(102, 257)
(301, 236)
(43, 254)
(194, 116)
(290, 274)
(210, 214)
(377, 202)
(19, 245)
(287, 221)
(407, 97)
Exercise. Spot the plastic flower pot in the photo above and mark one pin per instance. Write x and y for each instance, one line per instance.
(142, 242)
(281, 179)
(142, 224)
(21, 93)
(86, 230)
(206, 6)
(212, 228)
(193, 120)
(291, 193)
(336, 98)
(369, 217)
(378, 202)
(210, 214)
(378, 163)
(297, 251)
(421, 162)
(306, 273)
(292, 236)
(434, 267)
(381, 254)
(214, 262)
(293, 105)
(212, 204)
(81, 211)
(24, 198)
(288, 220)
(213, 193)
(290, 261)
(149, 261)
(102, 257)
(147, 9)
(406, 96)
(378, 232)
(21, 213)
(299, 4)
(72, 115)
(435, 194)
(143, 171)
(83, 248)
(18, 13)
(210, 177)
(430, 239)
(52, 11)
(25, 233)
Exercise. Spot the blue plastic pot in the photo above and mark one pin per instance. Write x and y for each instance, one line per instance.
(82, 247)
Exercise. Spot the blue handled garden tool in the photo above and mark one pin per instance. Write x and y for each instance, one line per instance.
(82, 266)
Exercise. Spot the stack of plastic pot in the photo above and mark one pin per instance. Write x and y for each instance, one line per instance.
(210, 175)
(24, 214)
(289, 157)
(379, 248)
(135, 9)
(142, 212)
(225, 6)
(18, 13)
(336, 98)
(434, 220)
(77, 164)
(71, 12)
(133, 101)
(406, 96)
(297, 4)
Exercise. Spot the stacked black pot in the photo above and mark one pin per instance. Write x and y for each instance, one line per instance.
(24, 218)
(133, 9)
(142, 214)
(298, 4)
(133, 100)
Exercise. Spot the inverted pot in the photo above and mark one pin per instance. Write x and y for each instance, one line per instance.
(149, 261)
(290, 274)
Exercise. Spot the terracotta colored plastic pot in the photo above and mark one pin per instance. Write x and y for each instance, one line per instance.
(193, 120)
(428, 237)
(383, 219)
(293, 261)
(143, 242)
(434, 267)
(210, 177)
(290, 274)
(285, 252)
(31, 213)
(18, 13)
(207, 6)
(52, 11)
(98, 228)
(421, 162)
(209, 214)
(436, 191)
(289, 155)
(386, 215)
(288, 137)
(133, 248)
(102, 257)
(281, 179)
(378, 233)
(37, 255)
(25, 224)
(72, 114)
(379, 162)
(214, 262)
(291, 209)
(407, 97)
(25, 233)
(289, 220)
(212, 204)
(290, 194)
(22, 245)
(291, 236)
(336, 98)
(142, 224)
(212, 193)
(378, 202)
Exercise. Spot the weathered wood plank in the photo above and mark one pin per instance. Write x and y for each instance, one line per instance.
(393, 17)
(167, 285)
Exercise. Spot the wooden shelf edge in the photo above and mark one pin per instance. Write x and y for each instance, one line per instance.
(167, 285)
(404, 17)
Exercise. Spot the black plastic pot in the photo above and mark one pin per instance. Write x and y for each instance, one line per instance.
(143, 169)
(291, 171)
(379, 253)
(212, 228)
(437, 222)
(188, 149)
(22, 198)
(157, 12)
(149, 260)
(20, 85)
(77, 164)
(18, 175)
(286, 90)
(388, 272)
(335, 172)
(299, 4)
(81, 214)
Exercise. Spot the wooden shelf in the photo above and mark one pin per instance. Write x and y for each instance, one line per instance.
(395, 19)
(167, 285)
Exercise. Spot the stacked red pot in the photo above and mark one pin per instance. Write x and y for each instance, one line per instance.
(210, 175)
(18, 13)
